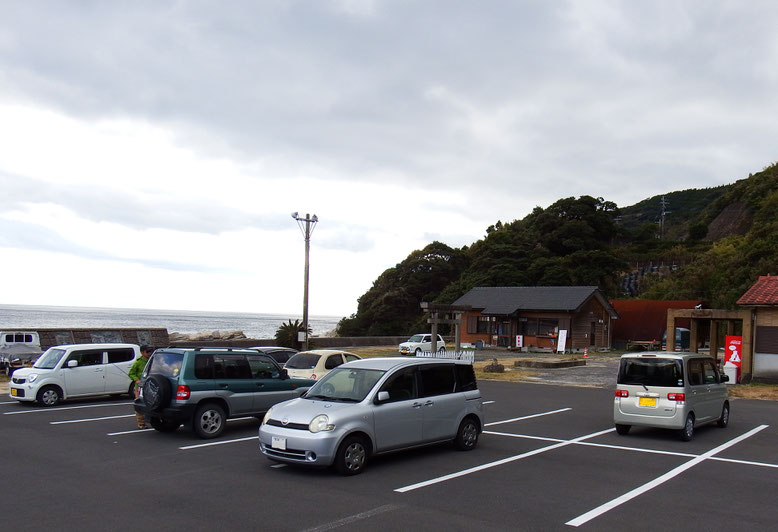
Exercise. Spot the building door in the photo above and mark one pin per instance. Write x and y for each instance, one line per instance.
(592, 334)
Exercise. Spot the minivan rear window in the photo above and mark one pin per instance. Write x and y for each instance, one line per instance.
(657, 371)
(302, 361)
(167, 364)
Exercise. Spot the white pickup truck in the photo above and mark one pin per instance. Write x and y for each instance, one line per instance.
(421, 343)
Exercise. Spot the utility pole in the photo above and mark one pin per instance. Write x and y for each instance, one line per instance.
(662, 213)
(307, 225)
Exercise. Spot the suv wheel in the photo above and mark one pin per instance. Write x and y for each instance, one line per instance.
(49, 396)
(156, 392)
(351, 457)
(164, 425)
(417, 352)
(467, 435)
(687, 431)
(209, 421)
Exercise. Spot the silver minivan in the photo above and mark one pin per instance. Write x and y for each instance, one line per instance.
(374, 406)
(678, 391)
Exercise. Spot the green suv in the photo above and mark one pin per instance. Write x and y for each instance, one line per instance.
(206, 386)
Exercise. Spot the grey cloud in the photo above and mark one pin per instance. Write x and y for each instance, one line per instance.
(24, 235)
(536, 93)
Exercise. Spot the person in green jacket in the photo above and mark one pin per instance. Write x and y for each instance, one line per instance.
(136, 370)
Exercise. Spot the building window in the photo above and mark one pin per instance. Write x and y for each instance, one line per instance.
(483, 325)
(538, 326)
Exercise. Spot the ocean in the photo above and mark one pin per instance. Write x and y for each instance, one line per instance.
(257, 326)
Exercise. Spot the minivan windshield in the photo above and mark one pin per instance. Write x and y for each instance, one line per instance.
(49, 359)
(657, 371)
(345, 384)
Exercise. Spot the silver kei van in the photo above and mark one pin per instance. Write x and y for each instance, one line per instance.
(373, 406)
(677, 391)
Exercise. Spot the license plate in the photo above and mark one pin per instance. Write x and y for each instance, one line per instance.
(13, 392)
(647, 401)
(278, 443)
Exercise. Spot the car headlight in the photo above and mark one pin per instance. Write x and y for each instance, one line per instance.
(32, 377)
(267, 416)
(320, 423)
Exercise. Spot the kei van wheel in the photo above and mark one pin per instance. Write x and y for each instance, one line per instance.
(687, 432)
(724, 419)
(467, 435)
(49, 396)
(417, 352)
(351, 457)
(209, 421)
(622, 430)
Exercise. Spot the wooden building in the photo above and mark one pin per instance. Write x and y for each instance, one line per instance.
(537, 314)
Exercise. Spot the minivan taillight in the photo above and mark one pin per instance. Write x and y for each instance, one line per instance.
(676, 396)
(182, 392)
(622, 393)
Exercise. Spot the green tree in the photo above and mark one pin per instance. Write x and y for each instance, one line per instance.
(287, 334)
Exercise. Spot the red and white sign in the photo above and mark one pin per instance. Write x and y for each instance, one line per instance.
(733, 351)
(519, 340)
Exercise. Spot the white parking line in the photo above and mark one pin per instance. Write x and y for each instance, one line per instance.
(500, 462)
(88, 419)
(41, 410)
(122, 433)
(221, 442)
(596, 512)
(527, 417)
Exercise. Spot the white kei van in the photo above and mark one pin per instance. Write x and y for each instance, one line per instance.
(77, 370)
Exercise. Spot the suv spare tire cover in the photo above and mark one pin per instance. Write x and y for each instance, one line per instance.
(156, 392)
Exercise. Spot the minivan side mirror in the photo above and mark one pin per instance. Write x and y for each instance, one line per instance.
(284, 374)
(72, 363)
(382, 397)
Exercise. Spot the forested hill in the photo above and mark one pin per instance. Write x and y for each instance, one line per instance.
(709, 244)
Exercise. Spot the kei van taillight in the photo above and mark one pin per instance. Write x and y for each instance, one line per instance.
(676, 396)
(182, 392)
(622, 393)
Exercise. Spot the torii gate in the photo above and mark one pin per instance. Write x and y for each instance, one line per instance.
(440, 314)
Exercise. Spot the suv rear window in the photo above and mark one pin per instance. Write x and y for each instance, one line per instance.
(167, 364)
(651, 371)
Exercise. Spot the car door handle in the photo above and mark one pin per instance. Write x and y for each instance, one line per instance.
(429, 403)
(260, 385)
(416, 405)
(223, 384)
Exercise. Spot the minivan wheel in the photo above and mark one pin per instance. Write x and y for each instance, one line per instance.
(467, 435)
(49, 396)
(623, 429)
(164, 425)
(351, 457)
(724, 419)
(209, 421)
(687, 431)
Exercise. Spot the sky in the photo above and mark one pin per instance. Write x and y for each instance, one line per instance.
(152, 152)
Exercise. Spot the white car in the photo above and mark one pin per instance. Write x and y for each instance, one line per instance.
(421, 343)
(316, 363)
(76, 370)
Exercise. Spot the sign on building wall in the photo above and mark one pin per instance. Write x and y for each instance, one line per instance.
(561, 341)
(519, 340)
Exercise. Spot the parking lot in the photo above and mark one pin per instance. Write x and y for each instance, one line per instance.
(549, 459)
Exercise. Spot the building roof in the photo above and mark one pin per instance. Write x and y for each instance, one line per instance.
(764, 292)
(506, 300)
